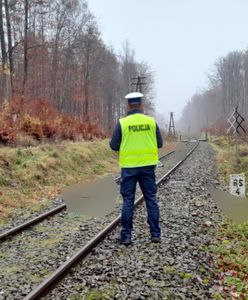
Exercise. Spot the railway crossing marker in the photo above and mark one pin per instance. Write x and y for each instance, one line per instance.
(235, 120)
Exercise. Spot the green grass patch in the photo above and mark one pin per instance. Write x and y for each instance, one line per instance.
(227, 163)
(96, 294)
(28, 175)
(185, 276)
(232, 241)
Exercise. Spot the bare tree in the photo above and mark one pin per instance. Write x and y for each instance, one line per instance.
(9, 34)
(53, 50)
(5, 64)
(25, 56)
(227, 88)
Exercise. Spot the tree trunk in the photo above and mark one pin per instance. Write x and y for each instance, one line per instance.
(10, 51)
(5, 66)
(25, 69)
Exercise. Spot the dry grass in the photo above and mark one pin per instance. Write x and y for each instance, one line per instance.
(30, 174)
(35, 174)
(243, 151)
(226, 159)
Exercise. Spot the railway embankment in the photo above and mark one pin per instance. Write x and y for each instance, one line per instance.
(231, 243)
(31, 176)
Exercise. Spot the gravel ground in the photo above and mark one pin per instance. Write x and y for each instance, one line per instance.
(28, 258)
(180, 267)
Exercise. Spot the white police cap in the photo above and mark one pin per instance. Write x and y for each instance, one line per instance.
(134, 97)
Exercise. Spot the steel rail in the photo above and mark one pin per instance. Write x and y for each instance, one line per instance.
(45, 215)
(166, 154)
(47, 285)
(33, 221)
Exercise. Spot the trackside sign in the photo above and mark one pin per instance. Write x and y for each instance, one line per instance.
(237, 185)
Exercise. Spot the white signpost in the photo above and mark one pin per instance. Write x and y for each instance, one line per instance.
(237, 185)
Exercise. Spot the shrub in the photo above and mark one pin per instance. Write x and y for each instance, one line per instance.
(36, 120)
(32, 126)
(24, 140)
(243, 151)
(50, 128)
(7, 130)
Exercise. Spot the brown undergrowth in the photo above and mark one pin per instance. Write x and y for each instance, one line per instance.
(27, 123)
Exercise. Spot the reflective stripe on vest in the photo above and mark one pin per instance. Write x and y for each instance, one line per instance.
(139, 142)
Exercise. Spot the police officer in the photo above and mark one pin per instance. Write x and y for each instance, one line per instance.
(137, 138)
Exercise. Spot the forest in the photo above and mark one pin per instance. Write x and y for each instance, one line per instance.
(58, 78)
(227, 88)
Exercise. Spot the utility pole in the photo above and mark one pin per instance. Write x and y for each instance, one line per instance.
(172, 131)
(138, 83)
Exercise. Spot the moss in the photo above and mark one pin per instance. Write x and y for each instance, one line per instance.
(76, 297)
(51, 241)
(39, 206)
(36, 278)
(218, 296)
(185, 276)
(2, 221)
(205, 281)
(95, 294)
(155, 283)
(202, 270)
(170, 270)
(12, 270)
(40, 228)
(3, 255)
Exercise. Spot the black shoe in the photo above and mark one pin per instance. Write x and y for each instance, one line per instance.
(156, 239)
(125, 242)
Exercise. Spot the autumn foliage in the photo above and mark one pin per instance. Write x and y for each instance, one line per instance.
(37, 120)
(7, 130)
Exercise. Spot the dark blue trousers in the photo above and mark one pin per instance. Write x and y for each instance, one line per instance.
(145, 176)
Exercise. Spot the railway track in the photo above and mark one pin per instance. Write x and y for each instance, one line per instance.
(46, 286)
(29, 223)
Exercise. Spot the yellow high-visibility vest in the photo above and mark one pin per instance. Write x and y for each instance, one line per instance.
(139, 142)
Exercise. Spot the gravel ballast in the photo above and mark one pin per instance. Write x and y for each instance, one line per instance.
(180, 267)
(29, 257)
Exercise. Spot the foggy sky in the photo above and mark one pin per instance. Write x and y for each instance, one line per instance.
(179, 39)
